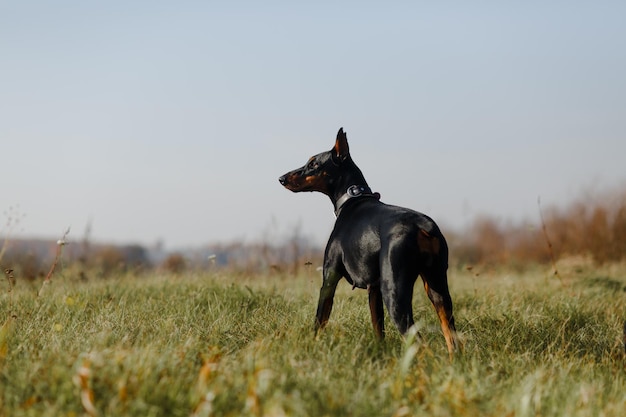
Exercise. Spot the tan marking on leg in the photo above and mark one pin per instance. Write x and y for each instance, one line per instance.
(447, 332)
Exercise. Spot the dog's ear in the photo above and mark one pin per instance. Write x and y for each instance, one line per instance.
(341, 149)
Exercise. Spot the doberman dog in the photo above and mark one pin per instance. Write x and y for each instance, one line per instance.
(375, 246)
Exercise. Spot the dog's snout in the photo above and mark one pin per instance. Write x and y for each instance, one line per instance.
(282, 179)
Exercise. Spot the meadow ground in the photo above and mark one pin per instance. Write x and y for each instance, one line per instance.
(217, 344)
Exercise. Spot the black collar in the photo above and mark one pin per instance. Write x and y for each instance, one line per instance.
(354, 191)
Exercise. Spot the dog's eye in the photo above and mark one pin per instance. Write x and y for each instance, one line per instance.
(314, 165)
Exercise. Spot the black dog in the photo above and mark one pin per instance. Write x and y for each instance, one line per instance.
(374, 245)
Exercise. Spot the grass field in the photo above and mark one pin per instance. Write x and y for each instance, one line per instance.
(216, 344)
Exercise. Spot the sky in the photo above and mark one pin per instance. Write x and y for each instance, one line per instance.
(154, 121)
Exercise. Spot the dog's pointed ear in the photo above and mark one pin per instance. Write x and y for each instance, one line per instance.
(341, 149)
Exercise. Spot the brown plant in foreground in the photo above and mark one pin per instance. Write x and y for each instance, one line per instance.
(82, 380)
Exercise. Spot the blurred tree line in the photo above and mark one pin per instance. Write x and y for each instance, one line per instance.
(591, 227)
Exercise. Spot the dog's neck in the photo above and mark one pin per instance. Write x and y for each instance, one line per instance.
(350, 184)
(353, 191)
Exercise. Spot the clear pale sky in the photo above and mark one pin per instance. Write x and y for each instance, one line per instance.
(171, 121)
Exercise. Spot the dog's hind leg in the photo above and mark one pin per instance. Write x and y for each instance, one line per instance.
(396, 283)
(436, 286)
(399, 307)
(398, 299)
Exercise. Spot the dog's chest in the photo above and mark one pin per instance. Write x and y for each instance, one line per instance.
(357, 252)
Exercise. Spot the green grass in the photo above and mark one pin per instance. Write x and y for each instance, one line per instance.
(216, 345)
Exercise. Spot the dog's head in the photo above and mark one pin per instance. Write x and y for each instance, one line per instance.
(321, 171)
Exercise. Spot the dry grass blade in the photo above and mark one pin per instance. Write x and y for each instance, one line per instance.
(60, 244)
(548, 242)
(11, 280)
(5, 331)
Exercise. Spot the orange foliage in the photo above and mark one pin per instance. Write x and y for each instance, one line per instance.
(594, 227)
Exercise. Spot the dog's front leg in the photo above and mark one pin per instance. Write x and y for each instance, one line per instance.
(376, 310)
(327, 293)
